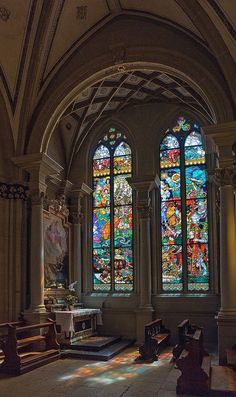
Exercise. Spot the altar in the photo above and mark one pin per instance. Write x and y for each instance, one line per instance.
(79, 323)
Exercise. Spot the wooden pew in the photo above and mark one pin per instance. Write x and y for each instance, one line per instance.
(16, 362)
(195, 366)
(155, 336)
(185, 332)
(3, 332)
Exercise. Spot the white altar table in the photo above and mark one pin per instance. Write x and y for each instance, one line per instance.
(78, 323)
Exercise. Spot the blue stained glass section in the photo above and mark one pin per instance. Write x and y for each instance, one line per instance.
(170, 184)
(196, 182)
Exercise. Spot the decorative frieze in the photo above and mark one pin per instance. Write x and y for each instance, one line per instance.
(13, 191)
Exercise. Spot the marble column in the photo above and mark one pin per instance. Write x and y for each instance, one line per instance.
(77, 195)
(37, 254)
(39, 166)
(226, 318)
(144, 312)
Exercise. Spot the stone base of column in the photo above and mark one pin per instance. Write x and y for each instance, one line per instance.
(143, 317)
(35, 317)
(226, 322)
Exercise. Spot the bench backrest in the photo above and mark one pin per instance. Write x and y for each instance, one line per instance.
(153, 328)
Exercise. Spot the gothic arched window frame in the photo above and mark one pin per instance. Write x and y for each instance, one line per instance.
(176, 253)
(119, 254)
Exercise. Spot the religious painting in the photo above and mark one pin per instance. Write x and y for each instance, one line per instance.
(56, 251)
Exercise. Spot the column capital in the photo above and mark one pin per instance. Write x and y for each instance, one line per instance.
(39, 166)
(223, 176)
(224, 136)
(77, 193)
(143, 186)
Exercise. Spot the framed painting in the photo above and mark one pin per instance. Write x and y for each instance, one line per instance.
(57, 238)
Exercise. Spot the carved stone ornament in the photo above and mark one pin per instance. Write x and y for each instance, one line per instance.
(4, 13)
(13, 191)
(59, 205)
(225, 176)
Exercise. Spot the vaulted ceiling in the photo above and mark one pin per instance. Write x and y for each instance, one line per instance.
(37, 37)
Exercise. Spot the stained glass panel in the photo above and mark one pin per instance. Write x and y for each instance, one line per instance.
(197, 224)
(112, 206)
(122, 165)
(170, 158)
(101, 192)
(123, 226)
(169, 142)
(170, 184)
(195, 182)
(171, 222)
(123, 269)
(198, 272)
(122, 149)
(101, 269)
(122, 190)
(101, 152)
(101, 227)
(172, 268)
(194, 155)
(193, 139)
(101, 167)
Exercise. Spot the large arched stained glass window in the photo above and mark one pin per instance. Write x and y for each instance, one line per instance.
(184, 222)
(112, 214)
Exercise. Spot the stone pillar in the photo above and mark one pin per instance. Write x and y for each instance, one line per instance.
(77, 194)
(142, 186)
(39, 166)
(226, 318)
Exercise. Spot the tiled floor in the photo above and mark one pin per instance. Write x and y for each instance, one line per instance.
(120, 377)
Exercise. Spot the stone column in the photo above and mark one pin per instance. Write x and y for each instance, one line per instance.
(226, 318)
(39, 166)
(142, 186)
(77, 195)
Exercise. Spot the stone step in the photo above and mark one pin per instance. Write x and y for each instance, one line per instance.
(223, 382)
(93, 343)
(102, 355)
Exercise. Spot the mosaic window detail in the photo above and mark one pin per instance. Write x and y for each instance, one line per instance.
(112, 214)
(184, 213)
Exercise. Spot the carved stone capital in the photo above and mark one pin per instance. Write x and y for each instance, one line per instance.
(226, 176)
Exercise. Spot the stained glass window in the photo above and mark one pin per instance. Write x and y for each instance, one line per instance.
(184, 222)
(112, 214)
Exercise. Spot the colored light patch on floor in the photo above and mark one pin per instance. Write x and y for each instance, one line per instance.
(121, 368)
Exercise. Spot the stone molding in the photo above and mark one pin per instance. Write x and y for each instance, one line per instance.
(225, 176)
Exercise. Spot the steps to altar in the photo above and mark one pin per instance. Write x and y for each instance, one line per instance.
(101, 348)
(223, 382)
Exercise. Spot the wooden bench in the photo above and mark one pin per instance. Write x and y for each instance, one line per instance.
(155, 336)
(185, 332)
(3, 332)
(195, 366)
(17, 359)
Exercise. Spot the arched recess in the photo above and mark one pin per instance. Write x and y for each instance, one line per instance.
(197, 68)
